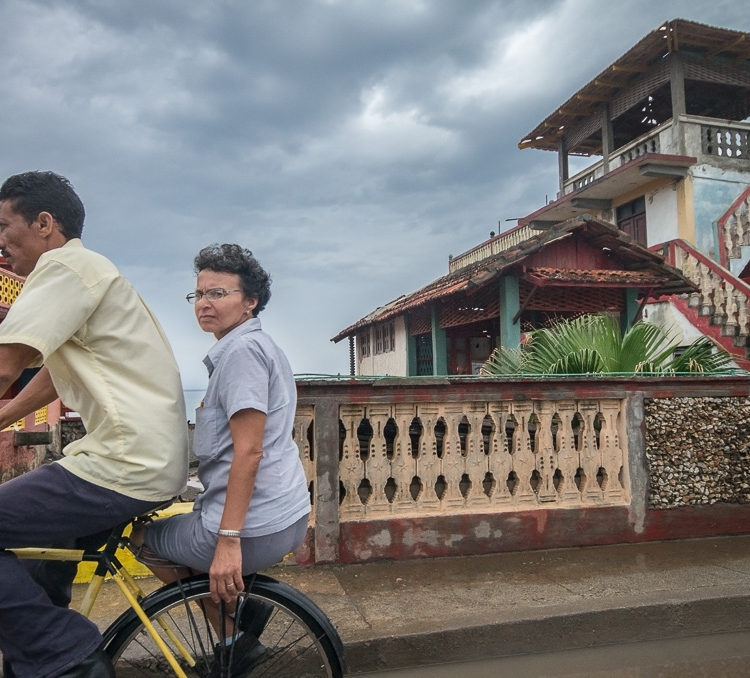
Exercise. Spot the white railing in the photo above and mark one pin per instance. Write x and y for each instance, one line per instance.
(726, 140)
(498, 244)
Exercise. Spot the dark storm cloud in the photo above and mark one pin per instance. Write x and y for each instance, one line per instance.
(352, 144)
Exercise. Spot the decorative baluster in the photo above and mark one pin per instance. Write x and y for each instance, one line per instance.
(378, 466)
(568, 457)
(404, 463)
(524, 462)
(689, 268)
(743, 316)
(732, 239)
(303, 421)
(303, 418)
(612, 455)
(707, 284)
(453, 463)
(743, 218)
(719, 315)
(352, 468)
(500, 462)
(591, 459)
(428, 464)
(546, 456)
(476, 463)
(730, 326)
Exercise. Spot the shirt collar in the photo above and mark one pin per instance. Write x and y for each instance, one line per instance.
(213, 357)
(73, 242)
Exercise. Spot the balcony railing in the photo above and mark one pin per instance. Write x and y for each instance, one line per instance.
(496, 245)
(734, 229)
(721, 297)
(726, 140)
(701, 137)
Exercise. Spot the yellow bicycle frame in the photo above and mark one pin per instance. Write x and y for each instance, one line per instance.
(128, 587)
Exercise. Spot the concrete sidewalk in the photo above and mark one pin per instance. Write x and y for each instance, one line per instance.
(395, 614)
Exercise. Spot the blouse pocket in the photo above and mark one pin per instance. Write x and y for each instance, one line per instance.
(205, 443)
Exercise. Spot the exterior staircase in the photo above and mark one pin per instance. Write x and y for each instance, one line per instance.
(721, 307)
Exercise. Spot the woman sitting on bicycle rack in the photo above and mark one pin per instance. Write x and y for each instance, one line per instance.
(255, 505)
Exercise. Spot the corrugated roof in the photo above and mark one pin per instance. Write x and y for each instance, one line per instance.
(643, 269)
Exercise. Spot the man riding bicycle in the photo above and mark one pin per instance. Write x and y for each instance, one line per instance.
(104, 354)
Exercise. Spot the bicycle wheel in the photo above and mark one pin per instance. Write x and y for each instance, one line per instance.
(294, 639)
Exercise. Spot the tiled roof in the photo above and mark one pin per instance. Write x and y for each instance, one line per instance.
(640, 268)
(618, 278)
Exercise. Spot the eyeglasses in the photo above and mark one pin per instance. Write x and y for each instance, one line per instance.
(213, 294)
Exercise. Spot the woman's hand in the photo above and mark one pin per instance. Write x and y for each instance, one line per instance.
(226, 570)
(247, 428)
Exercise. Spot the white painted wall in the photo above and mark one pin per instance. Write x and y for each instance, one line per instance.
(392, 363)
(664, 314)
(661, 215)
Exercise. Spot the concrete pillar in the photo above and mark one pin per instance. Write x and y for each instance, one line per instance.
(326, 481)
(608, 136)
(679, 107)
(628, 316)
(439, 345)
(510, 304)
(562, 163)
(411, 350)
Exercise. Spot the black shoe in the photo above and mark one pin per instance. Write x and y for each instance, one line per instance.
(245, 653)
(96, 665)
(254, 615)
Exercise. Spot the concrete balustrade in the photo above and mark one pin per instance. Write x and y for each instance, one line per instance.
(412, 467)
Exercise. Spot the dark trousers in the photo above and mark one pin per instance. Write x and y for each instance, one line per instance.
(50, 507)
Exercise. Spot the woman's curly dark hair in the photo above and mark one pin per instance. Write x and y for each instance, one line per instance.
(226, 258)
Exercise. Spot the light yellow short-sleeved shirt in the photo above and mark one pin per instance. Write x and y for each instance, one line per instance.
(109, 361)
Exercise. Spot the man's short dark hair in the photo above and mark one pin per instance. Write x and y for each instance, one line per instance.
(35, 192)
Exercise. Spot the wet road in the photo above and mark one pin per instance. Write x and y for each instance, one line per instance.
(717, 656)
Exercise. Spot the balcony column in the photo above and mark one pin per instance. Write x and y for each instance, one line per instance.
(562, 162)
(411, 350)
(628, 316)
(510, 304)
(608, 136)
(677, 91)
(439, 345)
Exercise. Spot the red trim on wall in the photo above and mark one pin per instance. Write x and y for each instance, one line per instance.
(458, 535)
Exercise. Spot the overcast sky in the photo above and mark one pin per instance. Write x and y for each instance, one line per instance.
(352, 145)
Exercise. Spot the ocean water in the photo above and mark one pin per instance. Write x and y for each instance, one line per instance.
(193, 398)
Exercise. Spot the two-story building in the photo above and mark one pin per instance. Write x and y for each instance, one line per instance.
(657, 227)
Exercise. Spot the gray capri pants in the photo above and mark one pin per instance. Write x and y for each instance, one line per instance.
(183, 540)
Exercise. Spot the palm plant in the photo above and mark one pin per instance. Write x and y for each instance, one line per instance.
(593, 344)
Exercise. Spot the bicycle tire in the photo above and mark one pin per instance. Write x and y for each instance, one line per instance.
(298, 638)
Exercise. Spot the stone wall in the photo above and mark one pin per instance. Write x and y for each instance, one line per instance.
(697, 450)
(16, 460)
